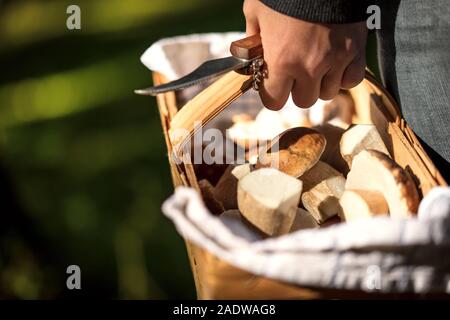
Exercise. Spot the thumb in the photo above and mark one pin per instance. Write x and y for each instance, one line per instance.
(252, 26)
(251, 20)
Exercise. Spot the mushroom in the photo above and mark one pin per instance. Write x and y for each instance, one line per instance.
(243, 134)
(226, 189)
(207, 191)
(330, 222)
(294, 151)
(303, 220)
(360, 137)
(374, 171)
(322, 188)
(247, 133)
(332, 154)
(359, 204)
(269, 198)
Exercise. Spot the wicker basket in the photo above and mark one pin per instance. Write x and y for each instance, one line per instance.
(216, 279)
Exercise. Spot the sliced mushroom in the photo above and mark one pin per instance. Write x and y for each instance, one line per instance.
(322, 188)
(358, 138)
(360, 204)
(269, 199)
(375, 171)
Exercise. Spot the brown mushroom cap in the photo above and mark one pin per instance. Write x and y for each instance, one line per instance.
(294, 151)
(226, 189)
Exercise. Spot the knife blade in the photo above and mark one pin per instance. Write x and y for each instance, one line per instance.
(243, 51)
(206, 71)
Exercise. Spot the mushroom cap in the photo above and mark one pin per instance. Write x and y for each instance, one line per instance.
(294, 151)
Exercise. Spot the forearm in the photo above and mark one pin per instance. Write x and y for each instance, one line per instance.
(326, 11)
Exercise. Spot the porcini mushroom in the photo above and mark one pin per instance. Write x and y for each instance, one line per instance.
(358, 138)
(359, 204)
(207, 190)
(322, 188)
(294, 151)
(269, 198)
(303, 220)
(375, 171)
(226, 189)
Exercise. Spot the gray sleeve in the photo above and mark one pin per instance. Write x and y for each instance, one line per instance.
(326, 11)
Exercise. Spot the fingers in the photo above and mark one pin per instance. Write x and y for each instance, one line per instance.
(275, 90)
(354, 73)
(331, 83)
(348, 77)
(305, 91)
(302, 58)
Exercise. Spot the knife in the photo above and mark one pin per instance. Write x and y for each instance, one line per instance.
(244, 53)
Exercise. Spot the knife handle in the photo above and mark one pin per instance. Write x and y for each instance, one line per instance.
(247, 48)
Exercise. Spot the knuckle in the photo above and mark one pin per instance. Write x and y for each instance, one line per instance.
(315, 66)
(342, 55)
(351, 48)
(281, 64)
(347, 52)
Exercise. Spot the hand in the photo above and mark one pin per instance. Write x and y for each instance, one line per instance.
(311, 60)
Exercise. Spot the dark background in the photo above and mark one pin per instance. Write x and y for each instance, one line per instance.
(83, 166)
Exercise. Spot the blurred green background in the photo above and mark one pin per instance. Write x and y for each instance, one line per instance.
(83, 167)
